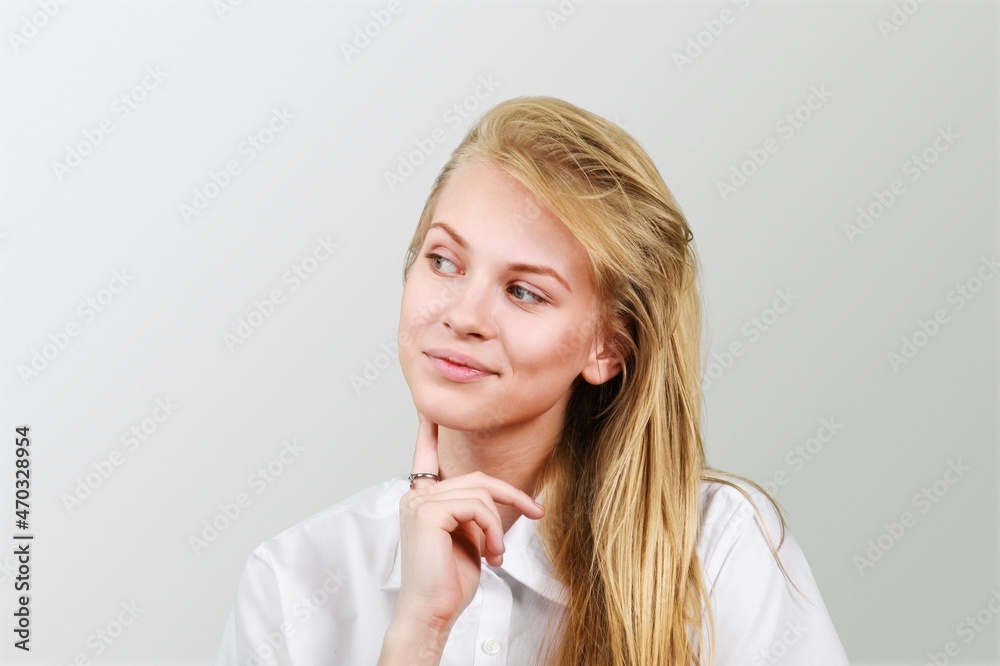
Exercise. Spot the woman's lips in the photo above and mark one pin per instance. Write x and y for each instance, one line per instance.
(456, 372)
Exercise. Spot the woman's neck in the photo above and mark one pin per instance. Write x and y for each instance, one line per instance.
(515, 454)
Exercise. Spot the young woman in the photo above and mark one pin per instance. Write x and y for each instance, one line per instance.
(560, 509)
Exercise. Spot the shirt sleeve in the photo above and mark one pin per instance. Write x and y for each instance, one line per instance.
(256, 632)
(759, 617)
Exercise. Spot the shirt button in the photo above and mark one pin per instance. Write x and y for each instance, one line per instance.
(491, 646)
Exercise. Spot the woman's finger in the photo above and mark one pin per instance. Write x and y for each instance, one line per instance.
(437, 493)
(425, 455)
(449, 514)
(501, 492)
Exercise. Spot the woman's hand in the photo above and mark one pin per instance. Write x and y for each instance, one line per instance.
(446, 528)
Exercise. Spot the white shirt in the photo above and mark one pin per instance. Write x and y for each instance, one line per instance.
(324, 591)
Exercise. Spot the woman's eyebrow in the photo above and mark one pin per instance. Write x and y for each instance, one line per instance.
(518, 267)
(462, 243)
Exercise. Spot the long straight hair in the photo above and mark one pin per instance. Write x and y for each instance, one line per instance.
(622, 485)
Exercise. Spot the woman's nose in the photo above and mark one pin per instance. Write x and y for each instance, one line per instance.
(470, 308)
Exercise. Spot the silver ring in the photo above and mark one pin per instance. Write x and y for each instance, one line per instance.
(423, 475)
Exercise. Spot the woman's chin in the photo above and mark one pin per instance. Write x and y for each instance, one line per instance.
(445, 414)
(442, 416)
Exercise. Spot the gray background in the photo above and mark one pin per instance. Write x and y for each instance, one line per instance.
(163, 335)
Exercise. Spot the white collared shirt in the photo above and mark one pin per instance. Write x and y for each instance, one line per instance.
(324, 591)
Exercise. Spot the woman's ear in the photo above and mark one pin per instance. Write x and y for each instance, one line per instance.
(604, 361)
(602, 368)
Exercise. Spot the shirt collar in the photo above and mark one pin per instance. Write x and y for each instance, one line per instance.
(524, 558)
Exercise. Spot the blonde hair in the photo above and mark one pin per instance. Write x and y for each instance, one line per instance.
(622, 486)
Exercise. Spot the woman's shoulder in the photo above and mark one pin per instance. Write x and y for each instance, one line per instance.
(364, 521)
(764, 595)
(725, 497)
(733, 509)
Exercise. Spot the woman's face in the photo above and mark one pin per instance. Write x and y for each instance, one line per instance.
(507, 286)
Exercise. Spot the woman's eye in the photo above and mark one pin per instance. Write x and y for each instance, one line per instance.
(538, 299)
(435, 258)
